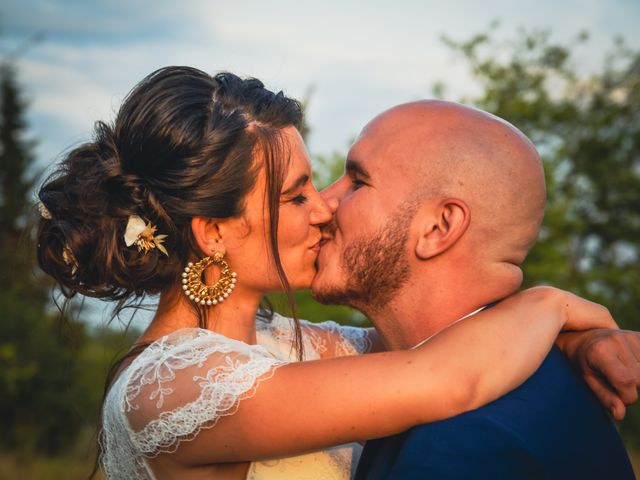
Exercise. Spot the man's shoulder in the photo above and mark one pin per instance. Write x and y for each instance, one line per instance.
(550, 423)
(494, 429)
(549, 427)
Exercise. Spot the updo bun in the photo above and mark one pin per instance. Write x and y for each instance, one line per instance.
(183, 145)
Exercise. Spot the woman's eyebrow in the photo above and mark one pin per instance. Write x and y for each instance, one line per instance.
(301, 180)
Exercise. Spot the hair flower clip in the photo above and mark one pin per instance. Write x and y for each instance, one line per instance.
(44, 211)
(143, 236)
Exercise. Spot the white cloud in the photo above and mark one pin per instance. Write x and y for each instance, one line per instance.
(360, 56)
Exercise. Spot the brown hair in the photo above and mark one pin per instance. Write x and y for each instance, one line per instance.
(183, 145)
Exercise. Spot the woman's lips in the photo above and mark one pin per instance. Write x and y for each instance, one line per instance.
(316, 246)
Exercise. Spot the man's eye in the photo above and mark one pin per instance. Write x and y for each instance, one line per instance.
(356, 184)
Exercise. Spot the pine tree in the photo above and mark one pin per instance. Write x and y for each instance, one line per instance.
(15, 156)
(38, 398)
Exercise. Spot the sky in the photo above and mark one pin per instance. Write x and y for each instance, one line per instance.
(351, 59)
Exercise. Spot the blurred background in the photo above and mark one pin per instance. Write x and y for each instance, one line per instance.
(566, 73)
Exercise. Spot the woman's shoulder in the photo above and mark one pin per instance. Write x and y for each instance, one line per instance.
(183, 382)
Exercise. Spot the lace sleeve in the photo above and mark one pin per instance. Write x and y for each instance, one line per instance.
(330, 339)
(183, 383)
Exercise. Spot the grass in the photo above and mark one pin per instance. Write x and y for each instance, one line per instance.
(45, 468)
(74, 465)
(77, 464)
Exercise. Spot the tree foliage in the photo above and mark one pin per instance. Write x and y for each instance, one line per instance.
(586, 126)
(45, 395)
(585, 122)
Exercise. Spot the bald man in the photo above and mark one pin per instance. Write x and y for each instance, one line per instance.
(438, 208)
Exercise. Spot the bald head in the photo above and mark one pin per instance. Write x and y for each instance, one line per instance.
(445, 149)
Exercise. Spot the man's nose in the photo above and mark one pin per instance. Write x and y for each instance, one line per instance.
(323, 213)
(331, 195)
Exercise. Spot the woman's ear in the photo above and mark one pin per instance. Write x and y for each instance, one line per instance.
(440, 226)
(206, 232)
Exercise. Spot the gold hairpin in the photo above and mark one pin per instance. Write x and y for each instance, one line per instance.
(143, 236)
(70, 259)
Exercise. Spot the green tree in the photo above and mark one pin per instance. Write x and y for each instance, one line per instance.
(586, 126)
(39, 402)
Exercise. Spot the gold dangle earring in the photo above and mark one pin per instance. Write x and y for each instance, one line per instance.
(201, 293)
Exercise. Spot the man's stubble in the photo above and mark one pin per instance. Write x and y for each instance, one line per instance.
(376, 267)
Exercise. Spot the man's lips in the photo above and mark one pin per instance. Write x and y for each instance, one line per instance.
(324, 240)
(316, 246)
(326, 237)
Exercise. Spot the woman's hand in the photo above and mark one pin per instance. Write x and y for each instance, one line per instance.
(609, 362)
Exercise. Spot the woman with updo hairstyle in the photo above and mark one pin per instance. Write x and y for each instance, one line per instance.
(200, 192)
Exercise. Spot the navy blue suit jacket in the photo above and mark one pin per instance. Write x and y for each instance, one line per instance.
(551, 427)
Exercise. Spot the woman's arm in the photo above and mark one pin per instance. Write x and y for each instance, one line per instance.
(607, 359)
(312, 405)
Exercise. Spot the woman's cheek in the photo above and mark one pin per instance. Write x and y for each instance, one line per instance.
(297, 230)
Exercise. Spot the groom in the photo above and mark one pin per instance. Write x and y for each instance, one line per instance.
(438, 208)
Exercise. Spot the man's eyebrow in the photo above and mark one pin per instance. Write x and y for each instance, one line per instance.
(354, 168)
(301, 181)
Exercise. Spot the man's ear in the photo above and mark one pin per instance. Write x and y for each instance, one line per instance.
(441, 226)
(206, 232)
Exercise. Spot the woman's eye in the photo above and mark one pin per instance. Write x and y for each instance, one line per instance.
(299, 199)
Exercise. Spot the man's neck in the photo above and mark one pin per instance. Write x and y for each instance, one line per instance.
(405, 322)
(416, 312)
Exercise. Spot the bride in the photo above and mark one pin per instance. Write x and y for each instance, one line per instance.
(200, 192)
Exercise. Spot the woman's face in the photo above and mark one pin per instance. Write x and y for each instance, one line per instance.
(301, 213)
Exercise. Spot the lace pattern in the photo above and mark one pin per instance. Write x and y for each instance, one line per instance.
(325, 339)
(142, 417)
(237, 370)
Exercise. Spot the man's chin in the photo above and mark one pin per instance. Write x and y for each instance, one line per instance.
(321, 265)
(326, 287)
(325, 297)
(327, 292)
(318, 287)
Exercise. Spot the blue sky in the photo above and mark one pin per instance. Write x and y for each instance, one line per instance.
(357, 57)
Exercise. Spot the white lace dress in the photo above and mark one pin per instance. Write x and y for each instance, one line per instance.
(142, 417)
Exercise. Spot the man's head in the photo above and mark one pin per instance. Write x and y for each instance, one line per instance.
(432, 190)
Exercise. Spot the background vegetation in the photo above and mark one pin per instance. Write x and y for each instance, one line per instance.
(586, 125)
